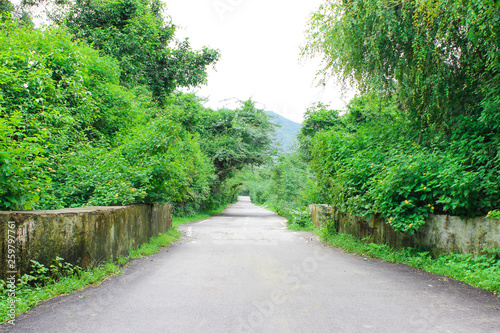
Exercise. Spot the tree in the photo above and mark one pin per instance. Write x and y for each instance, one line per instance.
(317, 118)
(231, 139)
(439, 57)
(135, 32)
(17, 12)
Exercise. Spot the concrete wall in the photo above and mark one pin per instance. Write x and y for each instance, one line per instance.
(441, 233)
(320, 214)
(79, 235)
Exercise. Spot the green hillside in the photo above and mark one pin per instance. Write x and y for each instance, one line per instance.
(286, 134)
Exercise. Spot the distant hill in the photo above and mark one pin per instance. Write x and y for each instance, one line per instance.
(286, 135)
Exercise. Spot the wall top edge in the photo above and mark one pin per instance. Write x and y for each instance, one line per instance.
(89, 209)
(430, 216)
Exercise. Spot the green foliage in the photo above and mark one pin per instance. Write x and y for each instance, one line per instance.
(423, 138)
(45, 76)
(494, 214)
(317, 118)
(157, 162)
(300, 218)
(6, 6)
(22, 176)
(135, 33)
(72, 136)
(254, 182)
(41, 276)
(52, 103)
(154, 244)
(439, 57)
(41, 92)
(16, 12)
(432, 145)
(235, 138)
(280, 183)
(64, 278)
(284, 186)
(370, 108)
(232, 139)
(288, 179)
(92, 176)
(168, 162)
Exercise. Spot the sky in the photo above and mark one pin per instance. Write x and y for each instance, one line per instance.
(259, 41)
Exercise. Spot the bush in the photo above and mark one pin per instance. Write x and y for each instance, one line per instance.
(41, 92)
(72, 136)
(382, 170)
(92, 176)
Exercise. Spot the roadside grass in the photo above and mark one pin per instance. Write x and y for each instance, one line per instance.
(62, 278)
(27, 296)
(44, 283)
(482, 271)
(309, 226)
(178, 220)
(298, 220)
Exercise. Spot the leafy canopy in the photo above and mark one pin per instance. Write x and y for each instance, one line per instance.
(439, 57)
(71, 136)
(377, 168)
(232, 138)
(317, 118)
(135, 33)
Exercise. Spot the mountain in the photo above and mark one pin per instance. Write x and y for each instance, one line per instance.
(286, 134)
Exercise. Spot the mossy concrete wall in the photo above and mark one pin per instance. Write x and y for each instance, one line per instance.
(320, 214)
(441, 233)
(79, 235)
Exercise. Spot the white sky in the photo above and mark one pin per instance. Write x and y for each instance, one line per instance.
(259, 42)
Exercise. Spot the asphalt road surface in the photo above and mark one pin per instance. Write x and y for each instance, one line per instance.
(245, 272)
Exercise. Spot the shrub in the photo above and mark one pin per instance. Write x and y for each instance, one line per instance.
(381, 169)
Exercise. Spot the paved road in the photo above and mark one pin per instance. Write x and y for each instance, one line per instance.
(245, 272)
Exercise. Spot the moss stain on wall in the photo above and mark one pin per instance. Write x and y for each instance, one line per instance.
(81, 236)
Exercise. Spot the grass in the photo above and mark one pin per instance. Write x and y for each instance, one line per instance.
(28, 295)
(482, 271)
(310, 227)
(297, 220)
(178, 220)
(152, 246)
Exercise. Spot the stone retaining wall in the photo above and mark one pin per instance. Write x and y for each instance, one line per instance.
(441, 233)
(79, 235)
